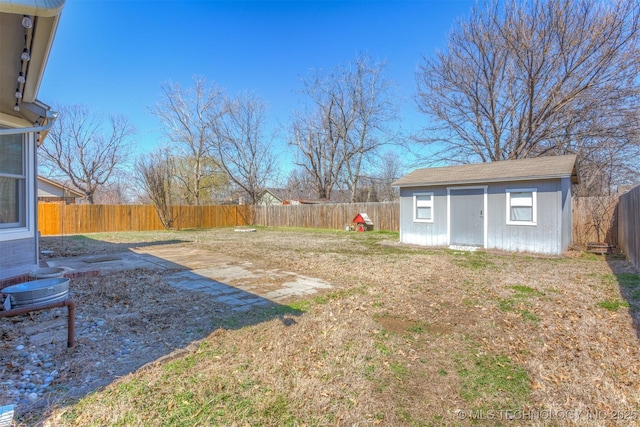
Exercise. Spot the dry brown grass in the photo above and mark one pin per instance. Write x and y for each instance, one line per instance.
(408, 336)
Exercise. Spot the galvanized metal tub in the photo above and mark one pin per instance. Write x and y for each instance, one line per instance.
(38, 292)
(47, 273)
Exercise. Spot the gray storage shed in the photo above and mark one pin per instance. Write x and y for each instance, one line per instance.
(514, 205)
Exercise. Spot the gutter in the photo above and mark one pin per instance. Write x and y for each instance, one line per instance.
(49, 121)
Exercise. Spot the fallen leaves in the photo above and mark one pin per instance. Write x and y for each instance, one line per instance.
(576, 354)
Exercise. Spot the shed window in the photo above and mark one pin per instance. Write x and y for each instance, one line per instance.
(12, 182)
(423, 207)
(521, 206)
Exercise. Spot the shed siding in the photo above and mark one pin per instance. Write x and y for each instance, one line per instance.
(424, 233)
(550, 235)
(544, 237)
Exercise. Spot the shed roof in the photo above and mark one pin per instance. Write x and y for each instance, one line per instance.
(507, 170)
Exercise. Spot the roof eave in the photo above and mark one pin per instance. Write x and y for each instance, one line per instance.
(39, 62)
(44, 8)
(490, 180)
(38, 39)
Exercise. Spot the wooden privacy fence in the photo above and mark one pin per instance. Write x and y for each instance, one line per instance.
(58, 218)
(385, 216)
(629, 225)
(594, 219)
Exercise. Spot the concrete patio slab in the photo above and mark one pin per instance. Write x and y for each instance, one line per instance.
(235, 283)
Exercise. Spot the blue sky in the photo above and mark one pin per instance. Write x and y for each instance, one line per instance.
(113, 55)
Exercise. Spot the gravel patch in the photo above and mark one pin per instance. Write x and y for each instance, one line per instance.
(123, 321)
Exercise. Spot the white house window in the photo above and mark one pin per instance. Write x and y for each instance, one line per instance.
(12, 182)
(423, 207)
(521, 206)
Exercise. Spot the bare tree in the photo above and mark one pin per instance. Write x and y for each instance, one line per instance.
(240, 147)
(318, 146)
(299, 185)
(389, 169)
(188, 116)
(213, 183)
(118, 191)
(373, 108)
(378, 186)
(343, 124)
(155, 173)
(530, 78)
(85, 149)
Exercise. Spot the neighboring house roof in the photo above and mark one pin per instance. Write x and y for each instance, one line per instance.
(275, 193)
(26, 26)
(52, 189)
(507, 170)
(307, 201)
(304, 197)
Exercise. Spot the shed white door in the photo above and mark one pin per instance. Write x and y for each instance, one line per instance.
(466, 216)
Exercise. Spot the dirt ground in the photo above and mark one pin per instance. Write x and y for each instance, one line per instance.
(545, 314)
(123, 321)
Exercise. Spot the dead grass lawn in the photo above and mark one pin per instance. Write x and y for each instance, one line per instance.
(407, 336)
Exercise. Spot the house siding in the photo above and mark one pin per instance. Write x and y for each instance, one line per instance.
(19, 257)
(18, 239)
(20, 254)
(54, 192)
(550, 235)
(47, 190)
(268, 198)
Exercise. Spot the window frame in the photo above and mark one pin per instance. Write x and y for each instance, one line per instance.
(534, 205)
(431, 206)
(24, 228)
